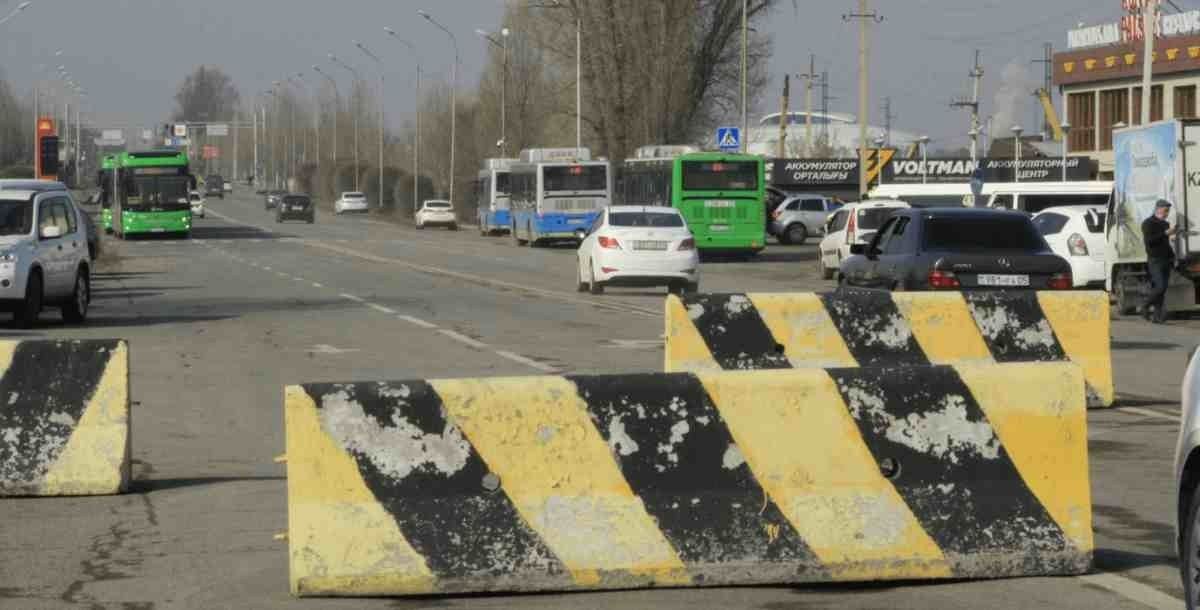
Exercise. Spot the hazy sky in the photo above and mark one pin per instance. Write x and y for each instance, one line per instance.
(131, 54)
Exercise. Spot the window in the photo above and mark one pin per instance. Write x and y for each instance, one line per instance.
(720, 176)
(69, 214)
(838, 222)
(1185, 102)
(812, 205)
(1002, 201)
(870, 219)
(644, 219)
(1049, 224)
(884, 236)
(986, 232)
(793, 206)
(1114, 108)
(575, 178)
(897, 240)
(1081, 114)
(51, 214)
(1156, 104)
(1036, 203)
(15, 218)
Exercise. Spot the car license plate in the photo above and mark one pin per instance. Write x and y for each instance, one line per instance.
(718, 228)
(718, 203)
(987, 279)
(649, 245)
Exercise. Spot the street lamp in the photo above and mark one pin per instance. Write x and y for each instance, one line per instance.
(316, 124)
(579, 73)
(503, 46)
(337, 107)
(353, 72)
(1016, 129)
(379, 64)
(1066, 130)
(417, 132)
(453, 89)
(924, 140)
(879, 142)
(20, 7)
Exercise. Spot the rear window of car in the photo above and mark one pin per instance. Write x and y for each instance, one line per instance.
(1049, 223)
(353, 196)
(982, 233)
(437, 204)
(295, 199)
(644, 219)
(873, 218)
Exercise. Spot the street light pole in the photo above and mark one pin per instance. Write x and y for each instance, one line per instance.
(382, 100)
(337, 106)
(503, 45)
(745, 42)
(316, 124)
(417, 132)
(1016, 129)
(354, 87)
(924, 140)
(1066, 130)
(453, 97)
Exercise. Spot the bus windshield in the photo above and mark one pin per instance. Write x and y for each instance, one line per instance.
(575, 178)
(720, 175)
(156, 193)
(502, 184)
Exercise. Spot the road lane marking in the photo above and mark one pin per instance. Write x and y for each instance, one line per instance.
(352, 298)
(1149, 413)
(1133, 590)
(545, 368)
(417, 321)
(381, 308)
(317, 285)
(462, 339)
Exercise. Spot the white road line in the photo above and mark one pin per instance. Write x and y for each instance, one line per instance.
(381, 308)
(299, 279)
(265, 268)
(1133, 590)
(545, 368)
(317, 285)
(352, 298)
(417, 321)
(463, 339)
(1149, 413)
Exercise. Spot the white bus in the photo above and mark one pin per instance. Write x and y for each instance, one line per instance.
(1031, 197)
(555, 193)
(491, 196)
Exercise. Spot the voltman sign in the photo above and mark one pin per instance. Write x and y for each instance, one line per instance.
(817, 173)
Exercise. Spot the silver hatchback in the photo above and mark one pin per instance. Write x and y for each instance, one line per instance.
(800, 216)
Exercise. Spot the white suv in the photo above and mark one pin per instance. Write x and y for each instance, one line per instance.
(43, 255)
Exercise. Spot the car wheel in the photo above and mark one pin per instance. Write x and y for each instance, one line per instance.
(75, 311)
(1126, 301)
(1190, 552)
(580, 285)
(594, 287)
(797, 234)
(420, 226)
(31, 306)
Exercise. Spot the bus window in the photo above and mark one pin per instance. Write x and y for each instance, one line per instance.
(1036, 203)
(1002, 201)
(720, 175)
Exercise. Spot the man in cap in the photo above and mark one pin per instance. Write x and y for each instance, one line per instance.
(1157, 233)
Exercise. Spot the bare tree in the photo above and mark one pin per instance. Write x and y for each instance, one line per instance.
(207, 94)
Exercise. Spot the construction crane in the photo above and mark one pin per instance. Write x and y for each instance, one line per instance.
(1051, 116)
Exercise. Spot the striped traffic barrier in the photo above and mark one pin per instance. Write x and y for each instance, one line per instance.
(687, 479)
(64, 418)
(868, 328)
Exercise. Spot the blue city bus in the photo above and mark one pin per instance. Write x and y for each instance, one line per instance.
(556, 193)
(491, 196)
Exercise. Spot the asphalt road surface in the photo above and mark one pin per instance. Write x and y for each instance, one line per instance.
(218, 325)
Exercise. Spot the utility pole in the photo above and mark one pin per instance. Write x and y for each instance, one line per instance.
(887, 121)
(864, 17)
(825, 104)
(973, 104)
(808, 87)
(745, 42)
(237, 117)
(1047, 62)
(781, 149)
(1148, 11)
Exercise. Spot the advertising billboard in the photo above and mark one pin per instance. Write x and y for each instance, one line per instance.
(1145, 167)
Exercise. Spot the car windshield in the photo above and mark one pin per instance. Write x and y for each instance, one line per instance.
(965, 234)
(15, 218)
(872, 218)
(644, 219)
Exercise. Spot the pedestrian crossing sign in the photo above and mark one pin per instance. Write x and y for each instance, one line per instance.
(729, 138)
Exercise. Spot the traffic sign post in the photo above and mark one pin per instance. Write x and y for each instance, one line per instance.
(729, 139)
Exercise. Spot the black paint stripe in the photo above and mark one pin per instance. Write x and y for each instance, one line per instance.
(1013, 326)
(43, 394)
(875, 331)
(671, 444)
(463, 530)
(954, 473)
(734, 332)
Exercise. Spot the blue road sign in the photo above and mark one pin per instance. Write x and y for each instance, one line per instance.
(729, 138)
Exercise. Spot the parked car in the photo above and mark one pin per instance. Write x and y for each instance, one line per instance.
(956, 249)
(638, 246)
(272, 198)
(295, 206)
(197, 202)
(854, 223)
(436, 213)
(228, 187)
(800, 216)
(44, 257)
(1187, 482)
(351, 201)
(1076, 233)
(214, 185)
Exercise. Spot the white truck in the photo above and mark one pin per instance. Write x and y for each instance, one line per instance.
(1159, 160)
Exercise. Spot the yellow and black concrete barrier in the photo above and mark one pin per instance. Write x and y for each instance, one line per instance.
(871, 328)
(687, 479)
(64, 418)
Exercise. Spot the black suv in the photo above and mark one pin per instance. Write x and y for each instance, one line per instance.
(295, 207)
(214, 186)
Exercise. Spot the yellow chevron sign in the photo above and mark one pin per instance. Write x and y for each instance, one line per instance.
(877, 159)
(687, 479)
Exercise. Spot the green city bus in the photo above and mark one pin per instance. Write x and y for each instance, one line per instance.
(719, 194)
(152, 194)
(107, 183)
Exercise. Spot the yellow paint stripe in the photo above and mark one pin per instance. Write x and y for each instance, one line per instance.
(801, 324)
(341, 540)
(943, 326)
(536, 435)
(1039, 413)
(7, 350)
(799, 439)
(96, 457)
(685, 349)
(1081, 323)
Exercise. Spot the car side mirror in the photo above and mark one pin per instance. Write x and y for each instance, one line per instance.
(51, 232)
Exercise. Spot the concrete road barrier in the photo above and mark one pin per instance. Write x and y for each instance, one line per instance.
(687, 479)
(64, 418)
(866, 328)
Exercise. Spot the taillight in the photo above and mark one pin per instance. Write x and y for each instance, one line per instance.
(850, 225)
(939, 279)
(687, 244)
(608, 242)
(1076, 245)
(1060, 281)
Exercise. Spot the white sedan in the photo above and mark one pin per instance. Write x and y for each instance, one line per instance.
(638, 246)
(197, 202)
(350, 201)
(1076, 233)
(436, 213)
